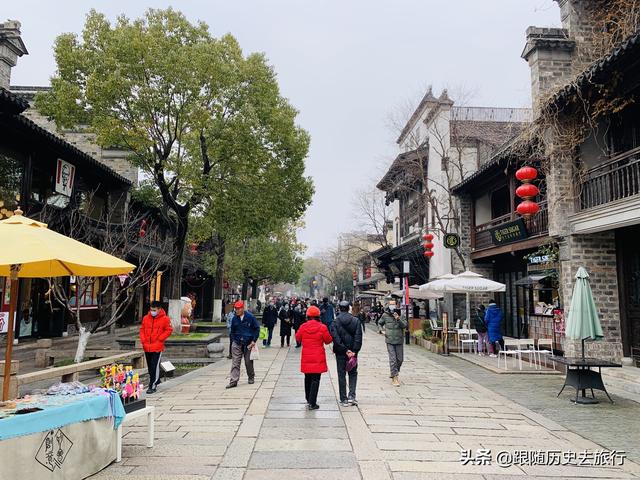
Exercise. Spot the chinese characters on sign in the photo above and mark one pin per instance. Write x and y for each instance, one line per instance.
(53, 450)
(505, 459)
(509, 232)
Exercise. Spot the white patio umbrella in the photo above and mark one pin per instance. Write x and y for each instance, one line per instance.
(418, 294)
(471, 282)
(437, 284)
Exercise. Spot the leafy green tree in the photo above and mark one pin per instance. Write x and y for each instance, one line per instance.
(275, 257)
(206, 123)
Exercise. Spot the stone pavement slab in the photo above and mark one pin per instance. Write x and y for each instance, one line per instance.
(412, 432)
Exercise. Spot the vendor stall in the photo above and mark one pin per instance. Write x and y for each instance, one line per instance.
(67, 435)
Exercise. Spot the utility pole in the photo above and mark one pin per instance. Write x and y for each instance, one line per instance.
(405, 271)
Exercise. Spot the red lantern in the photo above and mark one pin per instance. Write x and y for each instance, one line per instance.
(143, 229)
(526, 174)
(193, 248)
(428, 246)
(428, 254)
(428, 237)
(527, 191)
(528, 208)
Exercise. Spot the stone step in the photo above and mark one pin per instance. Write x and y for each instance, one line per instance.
(623, 380)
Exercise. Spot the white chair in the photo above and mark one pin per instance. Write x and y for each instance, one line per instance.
(545, 347)
(511, 347)
(528, 347)
(434, 326)
(465, 337)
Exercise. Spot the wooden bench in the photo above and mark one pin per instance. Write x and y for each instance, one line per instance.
(149, 412)
(71, 373)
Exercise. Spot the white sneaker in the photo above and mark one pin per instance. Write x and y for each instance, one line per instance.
(493, 355)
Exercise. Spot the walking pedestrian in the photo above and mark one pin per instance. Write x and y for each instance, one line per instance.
(285, 325)
(298, 319)
(394, 325)
(245, 331)
(481, 328)
(347, 342)
(493, 319)
(229, 320)
(155, 329)
(269, 320)
(313, 335)
(327, 313)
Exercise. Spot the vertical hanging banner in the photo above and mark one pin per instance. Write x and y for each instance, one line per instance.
(406, 291)
(65, 175)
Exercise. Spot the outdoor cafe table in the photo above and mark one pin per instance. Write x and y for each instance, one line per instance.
(71, 437)
(581, 376)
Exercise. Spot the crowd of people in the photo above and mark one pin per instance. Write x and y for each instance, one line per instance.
(315, 324)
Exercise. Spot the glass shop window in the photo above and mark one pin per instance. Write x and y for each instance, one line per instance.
(11, 173)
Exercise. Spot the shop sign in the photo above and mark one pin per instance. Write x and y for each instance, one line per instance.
(65, 175)
(4, 321)
(539, 259)
(451, 240)
(509, 232)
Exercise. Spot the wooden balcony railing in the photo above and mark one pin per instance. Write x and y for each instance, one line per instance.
(537, 225)
(616, 179)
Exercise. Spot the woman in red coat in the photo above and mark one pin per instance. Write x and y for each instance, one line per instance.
(313, 335)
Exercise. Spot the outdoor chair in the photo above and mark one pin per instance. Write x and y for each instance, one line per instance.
(434, 327)
(511, 347)
(528, 347)
(545, 347)
(465, 337)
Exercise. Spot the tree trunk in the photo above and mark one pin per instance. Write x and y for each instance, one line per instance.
(83, 339)
(245, 287)
(175, 289)
(218, 284)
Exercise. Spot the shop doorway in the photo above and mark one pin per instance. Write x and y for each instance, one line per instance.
(628, 255)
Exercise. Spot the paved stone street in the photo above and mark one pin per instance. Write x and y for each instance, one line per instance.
(263, 431)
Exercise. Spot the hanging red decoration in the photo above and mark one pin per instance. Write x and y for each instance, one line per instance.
(428, 253)
(428, 246)
(143, 229)
(528, 208)
(527, 174)
(527, 191)
(193, 248)
(428, 237)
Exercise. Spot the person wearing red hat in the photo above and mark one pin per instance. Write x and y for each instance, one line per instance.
(313, 335)
(245, 331)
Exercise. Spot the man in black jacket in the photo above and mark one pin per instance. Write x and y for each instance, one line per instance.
(347, 341)
(269, 320)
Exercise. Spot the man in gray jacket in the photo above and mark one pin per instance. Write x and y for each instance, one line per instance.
(394, 325)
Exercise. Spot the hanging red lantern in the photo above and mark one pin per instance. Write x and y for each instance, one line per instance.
(428, 237)
(528, 208)
(527, 174)
(527, 191)
(428, 253)
(428, 246)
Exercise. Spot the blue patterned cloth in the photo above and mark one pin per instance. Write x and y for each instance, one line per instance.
(58, 411)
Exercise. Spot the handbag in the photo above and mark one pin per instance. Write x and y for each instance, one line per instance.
(351, 363)
(255, 353)
(264, 333)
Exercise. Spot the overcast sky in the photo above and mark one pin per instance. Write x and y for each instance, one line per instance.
(345, 64)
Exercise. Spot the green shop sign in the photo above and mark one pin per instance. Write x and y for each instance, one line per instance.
(509, 232)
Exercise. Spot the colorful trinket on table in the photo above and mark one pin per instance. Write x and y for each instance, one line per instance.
(123, 380)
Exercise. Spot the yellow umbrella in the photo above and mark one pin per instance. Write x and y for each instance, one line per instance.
(31, 250)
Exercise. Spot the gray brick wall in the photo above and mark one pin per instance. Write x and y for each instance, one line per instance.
(597, 253)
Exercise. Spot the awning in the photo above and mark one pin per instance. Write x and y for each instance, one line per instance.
(375, 278)
(531, 280)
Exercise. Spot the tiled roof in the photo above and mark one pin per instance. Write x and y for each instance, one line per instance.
(12, 103)
(626, 50)
(74, 151)
(490, 133)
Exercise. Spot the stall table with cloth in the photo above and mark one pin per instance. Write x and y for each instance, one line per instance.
(71, 437)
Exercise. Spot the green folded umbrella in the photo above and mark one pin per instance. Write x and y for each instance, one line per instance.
(583, 322)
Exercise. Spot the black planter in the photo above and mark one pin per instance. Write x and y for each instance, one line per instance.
(131, 405)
